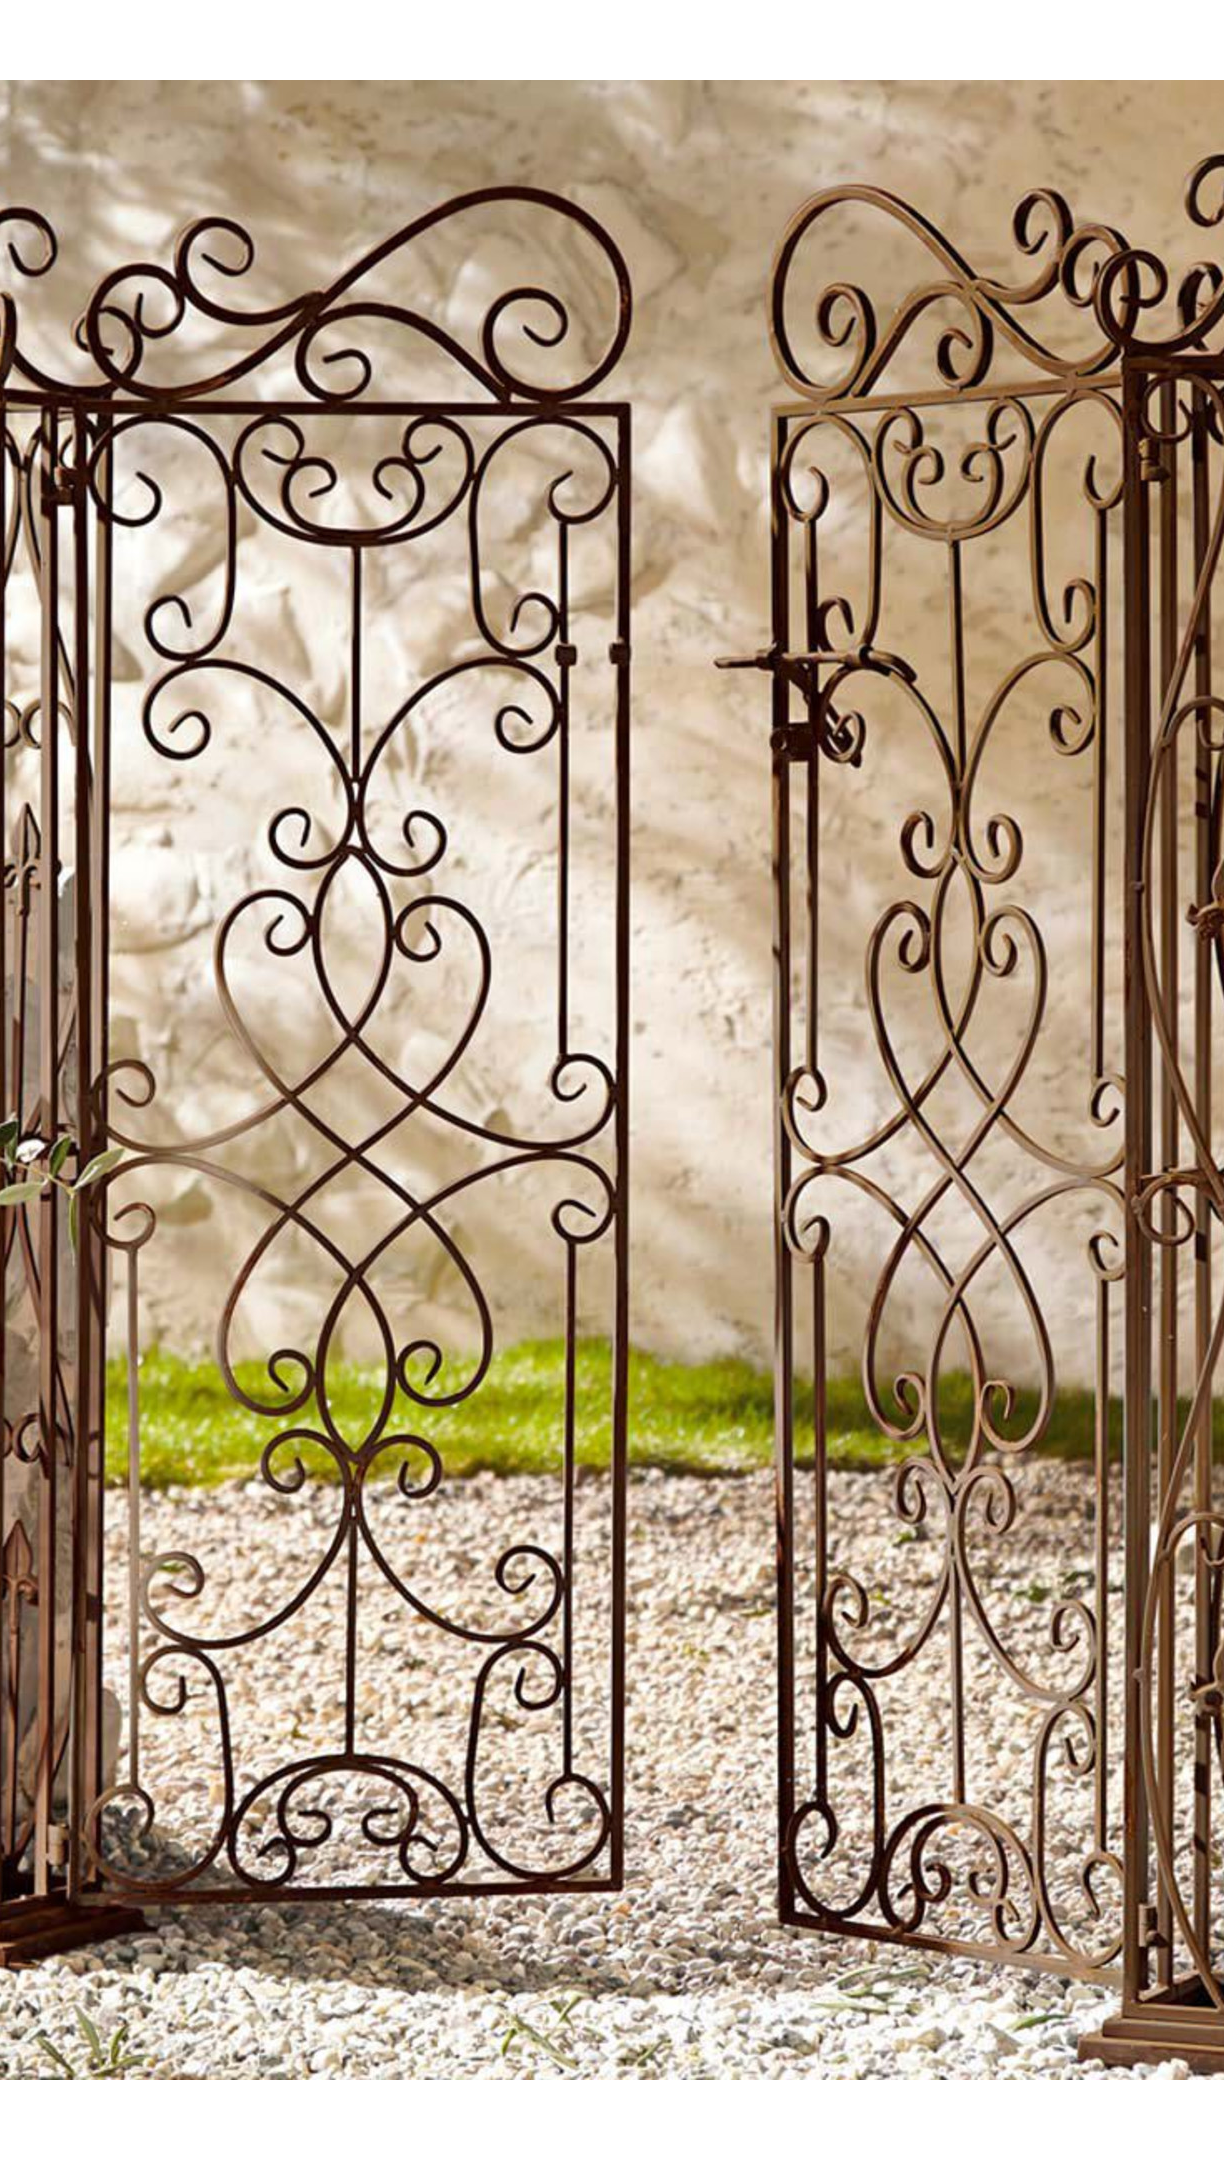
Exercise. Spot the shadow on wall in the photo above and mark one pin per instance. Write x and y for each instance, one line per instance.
(696, 183)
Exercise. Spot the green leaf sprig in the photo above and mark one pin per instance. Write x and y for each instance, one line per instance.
(102, 2059)
(36, 1165)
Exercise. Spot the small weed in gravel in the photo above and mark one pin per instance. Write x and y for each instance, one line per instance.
(102, 2059)
(522, 2031)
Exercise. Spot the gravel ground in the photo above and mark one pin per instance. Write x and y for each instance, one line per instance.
(684, 1974)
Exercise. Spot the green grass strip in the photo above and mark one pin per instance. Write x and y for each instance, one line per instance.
(709, 1419)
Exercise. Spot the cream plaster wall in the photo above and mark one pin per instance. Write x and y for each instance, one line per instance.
(695, 181)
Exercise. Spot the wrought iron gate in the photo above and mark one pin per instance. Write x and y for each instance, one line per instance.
(304, 1092)
(1022, 539)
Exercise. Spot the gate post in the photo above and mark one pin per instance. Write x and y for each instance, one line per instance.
(51, 1368)
(1138, 1914)
(1172, 1988)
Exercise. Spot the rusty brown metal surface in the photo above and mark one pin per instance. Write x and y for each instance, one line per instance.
(316, 414)
(1054, 415)
(1173, 1997)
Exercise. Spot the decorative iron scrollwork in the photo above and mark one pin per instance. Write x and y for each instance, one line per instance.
(143, 306)
(1075, 272)
(330, 452)
(871, 468)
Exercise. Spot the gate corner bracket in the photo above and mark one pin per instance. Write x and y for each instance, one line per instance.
(41, 1927)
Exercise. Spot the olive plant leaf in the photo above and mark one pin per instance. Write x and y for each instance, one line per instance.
(60, 1153)
(13, 1195)
(97, 1167)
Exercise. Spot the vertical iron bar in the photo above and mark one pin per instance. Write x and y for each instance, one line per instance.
(8, 1762)
(820, 1476)
(1101, 1455)
(811, 1016)
(1100, 798)
(355, 686)
(563, 657)
(1101, 1449)
(956, 656)
(99, 946)
(1204, 1750)
(784, 1474)
(1170, 1253)
(133, 1501)
(1137, 1400)
(813, 642)
(81, 1421)
(567, 1504)
(620, 1330)
(48, 1240)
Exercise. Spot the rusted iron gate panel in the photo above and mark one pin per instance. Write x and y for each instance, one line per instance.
(352, 947)
(1038, 1807)
(949, 1195)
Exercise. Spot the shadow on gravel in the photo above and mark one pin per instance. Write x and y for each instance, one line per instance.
(420, 1948)
(420, 1945)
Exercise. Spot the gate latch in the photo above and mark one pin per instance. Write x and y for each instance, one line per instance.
(801, 668)
(767, 659)
(824, 724)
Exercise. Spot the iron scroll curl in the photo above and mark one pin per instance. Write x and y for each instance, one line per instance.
(1085, 299)
(140, 308)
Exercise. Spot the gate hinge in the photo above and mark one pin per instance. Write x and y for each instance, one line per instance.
(1150, 1936)
(1152, 465)
(1207, 921)
(793, 742)
(59, 491)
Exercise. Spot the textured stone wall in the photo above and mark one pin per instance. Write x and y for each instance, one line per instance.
(695, 182)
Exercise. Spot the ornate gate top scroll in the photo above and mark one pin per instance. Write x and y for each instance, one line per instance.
(324, 336)
(1123, 297)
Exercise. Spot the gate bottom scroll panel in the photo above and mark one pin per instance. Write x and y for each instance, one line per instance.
(952, 1742)
(955, 1737)
(438, 1763)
